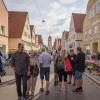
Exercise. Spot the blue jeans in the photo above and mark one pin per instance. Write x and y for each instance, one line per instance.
(78, 75)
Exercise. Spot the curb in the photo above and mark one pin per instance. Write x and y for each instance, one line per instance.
(93, 79)
(3, 83)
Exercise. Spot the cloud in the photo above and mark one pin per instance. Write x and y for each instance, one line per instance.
(67, 1)
(56, 13)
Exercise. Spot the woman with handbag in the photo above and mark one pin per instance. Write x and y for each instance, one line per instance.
(34, 69)
(62, 71)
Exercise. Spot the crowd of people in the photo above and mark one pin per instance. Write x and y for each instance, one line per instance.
(68, 67)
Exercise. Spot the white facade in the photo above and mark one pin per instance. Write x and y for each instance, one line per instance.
(75, 39)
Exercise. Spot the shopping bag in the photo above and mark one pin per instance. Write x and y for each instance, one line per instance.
(68, 65)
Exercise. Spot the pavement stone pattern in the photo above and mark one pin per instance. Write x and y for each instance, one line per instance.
(93, 77)
(9, 70)
(9, 75)
(91, 92)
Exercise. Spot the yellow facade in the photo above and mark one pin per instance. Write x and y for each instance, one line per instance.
(25, 39)
(13, 43)
(91, 27)
(3, 44)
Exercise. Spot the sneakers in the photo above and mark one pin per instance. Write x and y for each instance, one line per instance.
(20, 98)
(24, 99)
(42, 90)
(27, 94)
(47, 92)
(78, 90)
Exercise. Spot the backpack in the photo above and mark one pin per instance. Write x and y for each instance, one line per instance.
(60, 65)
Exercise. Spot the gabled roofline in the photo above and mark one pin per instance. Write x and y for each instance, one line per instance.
(5, 5)
(24, 21)
(74, 20)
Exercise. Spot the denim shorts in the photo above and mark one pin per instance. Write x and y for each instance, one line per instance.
(45, 72)
(78, 75)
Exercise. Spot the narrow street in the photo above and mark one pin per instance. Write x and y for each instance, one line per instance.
(36, 35)
(91, 92)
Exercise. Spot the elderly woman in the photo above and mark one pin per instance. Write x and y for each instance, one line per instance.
(34, 69)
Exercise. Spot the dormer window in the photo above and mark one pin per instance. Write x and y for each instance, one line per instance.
(2, 30)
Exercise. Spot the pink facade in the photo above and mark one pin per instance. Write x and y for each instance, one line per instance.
(3, 27)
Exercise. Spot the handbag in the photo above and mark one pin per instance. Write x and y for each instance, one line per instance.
(68, 65)
(35, 71)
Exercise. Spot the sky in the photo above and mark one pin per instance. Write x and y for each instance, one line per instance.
(56, 13)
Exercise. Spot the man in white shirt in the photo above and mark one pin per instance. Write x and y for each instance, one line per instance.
(45, 61)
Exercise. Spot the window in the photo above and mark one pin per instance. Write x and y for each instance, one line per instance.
(2, 30)
(85, 33)
(90, 31)
(74, 44)
(27, 27)
(74, 36)
(96, 29)
(98, 7)
(25, 34)
(91, 12)
(29, 36)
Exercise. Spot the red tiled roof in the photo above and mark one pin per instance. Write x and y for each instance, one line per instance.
(16, 22)
(78, 21)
